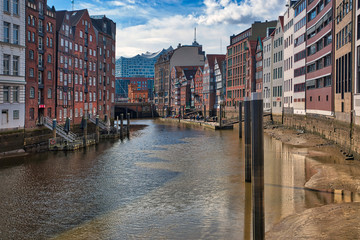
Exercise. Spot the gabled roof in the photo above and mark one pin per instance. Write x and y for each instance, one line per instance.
(189, 74)
(281, 19)
(210, 58)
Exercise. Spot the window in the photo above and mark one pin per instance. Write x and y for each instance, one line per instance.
(6, 93)
(16, 34)
(16, 114)
(16, 65)
(6, 64)
(7, 5)
(49, 75)
(31, 72)
(49, 93)
(32, 92)
(49, 58)
(6, 32)
(31, 113)
(15, 94)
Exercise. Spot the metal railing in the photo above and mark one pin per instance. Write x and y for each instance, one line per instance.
(68, 136)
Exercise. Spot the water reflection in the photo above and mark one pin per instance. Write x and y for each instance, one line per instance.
(169, 181)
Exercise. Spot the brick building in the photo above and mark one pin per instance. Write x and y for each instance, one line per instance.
(40, 61)
(137, 95)
(198, 91)
(105, 30)
(76, 69)
(240, 77)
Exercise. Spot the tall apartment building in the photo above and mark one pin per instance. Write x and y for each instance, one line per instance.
(240, 62)
(12, 67)
(105, 30)
(278, 67)
(209, 92)
(343, 60)
(288, 58)
(299, 59)
(40, 62)
(187, 55)
(267, 70)
(76, 66)
(319, 47)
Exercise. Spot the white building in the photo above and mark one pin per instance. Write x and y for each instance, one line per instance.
(299, 57)
(288, 58)
(278, 68)
(12, 67)
(267, 71)
(356, 81)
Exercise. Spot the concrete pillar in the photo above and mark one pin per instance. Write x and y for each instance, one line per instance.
(240, 119)
(122, 126)
(247, 126)
(128, 125)
(97, 129)
(54, 128)
(137, 112)
(257, 166)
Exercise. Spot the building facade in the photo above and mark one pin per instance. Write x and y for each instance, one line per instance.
(278, 68)
(12, 67)
(105, 30)
(267, 71)
(220, 81)
(299, 59)
(198, 90)
(319, 48)
(136, 95)
(288, 58)
(188, 55)
(356, 52)
(209, 92)
(343, 60)
(240, 62)
(40, 62)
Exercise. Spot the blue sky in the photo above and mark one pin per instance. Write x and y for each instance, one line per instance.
(153, 25)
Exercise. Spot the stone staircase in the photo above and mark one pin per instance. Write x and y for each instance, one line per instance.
(70, 136)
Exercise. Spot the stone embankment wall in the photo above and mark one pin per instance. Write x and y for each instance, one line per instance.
(341, 133)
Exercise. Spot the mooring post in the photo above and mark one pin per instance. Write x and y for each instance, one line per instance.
(204, 113)
(220, 116)
(117, 125)
(54, 128)
(240, 119)
(247, 126)
(128, 125)
(137, 112)
(97, 129)
(122, 126)
(85, 130)
(152, 110)
(183, 112)
(258, 166)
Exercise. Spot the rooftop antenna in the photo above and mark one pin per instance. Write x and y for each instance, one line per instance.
(195, 35)
(73, 4)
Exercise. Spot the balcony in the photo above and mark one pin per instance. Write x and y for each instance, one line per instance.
(86, 42)
(86, 72)
(86, 29)
(86, 57)
(41, 15)
(41, 85)
(86, 89)
(41, 31)
(41, 101)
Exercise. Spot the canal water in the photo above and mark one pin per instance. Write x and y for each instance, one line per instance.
(168, 181)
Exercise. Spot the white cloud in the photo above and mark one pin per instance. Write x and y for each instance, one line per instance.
(215, 20)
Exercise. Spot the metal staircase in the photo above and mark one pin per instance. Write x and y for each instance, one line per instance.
(70, 136)
(102, 124)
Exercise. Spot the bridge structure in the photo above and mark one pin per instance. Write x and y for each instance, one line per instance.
(136, 110)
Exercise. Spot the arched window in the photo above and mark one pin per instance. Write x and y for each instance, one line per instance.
(29, 20)
(49, 93)
(32, 92)
(33, 21)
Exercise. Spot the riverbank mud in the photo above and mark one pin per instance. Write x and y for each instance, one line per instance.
(331, 173)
